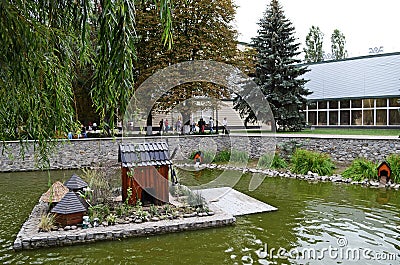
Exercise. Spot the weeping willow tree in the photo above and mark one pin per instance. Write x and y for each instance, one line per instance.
(43, 43)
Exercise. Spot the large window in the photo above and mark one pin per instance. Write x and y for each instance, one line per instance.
(355, 112)
(345, 117)
(368, 117)
(381, 117)
(394, 115)
(356, 103)
(312, 118)
(322, 118)
(356, 116)
(333, 118)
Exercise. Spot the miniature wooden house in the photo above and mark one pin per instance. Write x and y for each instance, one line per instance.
(145, 170)
(70, 210)
(384, 172)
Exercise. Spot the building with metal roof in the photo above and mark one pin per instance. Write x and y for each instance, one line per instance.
(360, 91)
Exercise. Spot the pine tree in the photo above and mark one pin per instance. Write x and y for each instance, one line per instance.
(277, 74)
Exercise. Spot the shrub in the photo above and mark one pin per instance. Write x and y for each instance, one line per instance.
(288, 148)
(47, 222)
(361, 169)
(99, 184)
(222, 156)
(394, 162)
(238, 156)
(267, 161)
(207, 156)
(195, 199)
(278, 162)
(304, 161)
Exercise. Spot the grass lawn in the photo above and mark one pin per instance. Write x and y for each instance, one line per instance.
(341, 131)
(338, 131)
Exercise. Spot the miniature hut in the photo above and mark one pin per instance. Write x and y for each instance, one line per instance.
(145, 170)
(384, 172)
(56, 192)
(70, 210)
(75, 183)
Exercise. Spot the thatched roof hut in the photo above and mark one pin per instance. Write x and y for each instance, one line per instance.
(56, 192)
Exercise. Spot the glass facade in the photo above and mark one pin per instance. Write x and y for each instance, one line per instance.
(354, 112)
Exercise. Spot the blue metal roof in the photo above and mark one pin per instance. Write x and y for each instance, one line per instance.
(361, 77)
(144, 154)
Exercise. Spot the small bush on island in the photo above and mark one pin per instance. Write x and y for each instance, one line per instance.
(47, 222)
(304, 161)
(361, 169)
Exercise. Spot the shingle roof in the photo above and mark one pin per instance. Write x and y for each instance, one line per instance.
(69, 204)
(75, 183)
(144, 154)
(56, 192)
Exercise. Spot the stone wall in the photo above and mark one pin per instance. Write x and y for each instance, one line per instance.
(96, 152)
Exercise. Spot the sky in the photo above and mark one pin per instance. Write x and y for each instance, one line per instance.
(366, 24)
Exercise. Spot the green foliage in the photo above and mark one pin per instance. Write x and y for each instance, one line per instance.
(277, 74)
(361, 169)
(47, 222)
(111, 219)
(195, 200)
(286, 149)
(235, 156)
(338, 40)
(153, 210)
(99, 184)
(99, 211)
(50, 50)
(200, 27)
(394, 163)
(279, 163)
(303, 161)
(239, 156)
(222, 156)
(313, 50)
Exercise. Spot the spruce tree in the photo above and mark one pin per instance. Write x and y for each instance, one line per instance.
(277, 71)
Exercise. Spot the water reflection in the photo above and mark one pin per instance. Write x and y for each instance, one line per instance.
(310, 215)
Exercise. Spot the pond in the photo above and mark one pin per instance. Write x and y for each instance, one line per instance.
(317, 223)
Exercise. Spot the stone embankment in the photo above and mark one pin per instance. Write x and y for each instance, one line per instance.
(81, 153)
(310, 176)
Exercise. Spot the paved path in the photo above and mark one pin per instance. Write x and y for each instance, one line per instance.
(234, 202)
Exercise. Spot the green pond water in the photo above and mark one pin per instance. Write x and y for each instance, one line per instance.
(317, 223)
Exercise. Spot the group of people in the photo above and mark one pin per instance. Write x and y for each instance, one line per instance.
(191, 126)
(82, 132)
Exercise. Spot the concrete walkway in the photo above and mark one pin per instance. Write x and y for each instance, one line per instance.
(234, 202)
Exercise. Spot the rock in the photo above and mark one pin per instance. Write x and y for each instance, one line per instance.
(155, 219)
(67, 228)
(74, 227)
